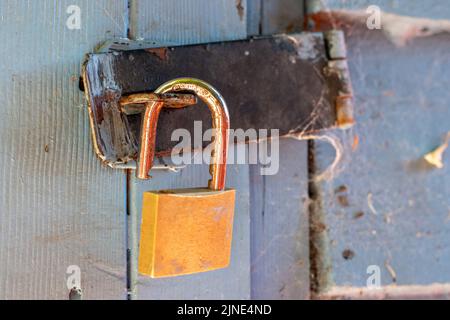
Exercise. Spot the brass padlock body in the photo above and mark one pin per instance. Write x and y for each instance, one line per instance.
(185, 231)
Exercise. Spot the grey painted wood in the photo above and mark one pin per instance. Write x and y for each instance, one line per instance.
(188, 22)
(281, 16)
(279, 226)
(279, 214)
(58, 206)
(388, 207)
(254, 14)
(230, 283)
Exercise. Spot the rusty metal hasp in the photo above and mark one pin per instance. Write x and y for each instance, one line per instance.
(296, 83)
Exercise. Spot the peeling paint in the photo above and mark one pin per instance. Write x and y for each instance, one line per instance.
(400, 30)
(435, 157)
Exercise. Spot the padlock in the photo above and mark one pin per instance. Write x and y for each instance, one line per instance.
(186, 231)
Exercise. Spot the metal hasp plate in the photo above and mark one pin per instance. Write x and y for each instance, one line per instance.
(294, 83)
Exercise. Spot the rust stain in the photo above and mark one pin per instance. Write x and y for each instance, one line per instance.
(344, 101)
(389, 93)
(135, 103)
(290, 27)
(325, 20)
(240, 9)
(344, 109)
(319, 227)
(342, 198)
(161, 53)
(355, 143)
(343, 201)
(348, 254)
(358, 215)
(341, 189)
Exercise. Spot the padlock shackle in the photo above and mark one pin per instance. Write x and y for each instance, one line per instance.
(220, 123)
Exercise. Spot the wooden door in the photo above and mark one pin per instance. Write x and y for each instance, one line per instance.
(66, 220)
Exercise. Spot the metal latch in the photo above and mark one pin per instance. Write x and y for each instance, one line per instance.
(294, 83)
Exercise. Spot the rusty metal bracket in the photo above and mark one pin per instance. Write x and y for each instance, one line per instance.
(296, 83)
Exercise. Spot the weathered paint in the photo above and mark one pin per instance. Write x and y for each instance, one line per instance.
(188, 21)
(279, 226)
(386, 206)
(58, 206)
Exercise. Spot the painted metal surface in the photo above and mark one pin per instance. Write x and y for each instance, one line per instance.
(280, 226)
(62, 214)
(136, 103)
